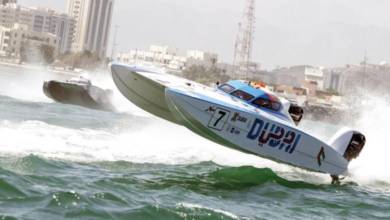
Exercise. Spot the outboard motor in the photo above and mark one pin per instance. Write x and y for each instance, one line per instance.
(348, 143)
(296, 113)
(356, 145)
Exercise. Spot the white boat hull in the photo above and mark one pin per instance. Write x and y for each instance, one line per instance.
(255, 134)
(227, 121)
(143, 92)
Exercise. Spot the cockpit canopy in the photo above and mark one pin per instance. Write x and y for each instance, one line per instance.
(82, 79)
(253, 94)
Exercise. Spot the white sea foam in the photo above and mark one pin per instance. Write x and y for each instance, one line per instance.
(163, 142)
(373, 120)
(192, 206)
(158, 143)
(374, 161)
(24, 84)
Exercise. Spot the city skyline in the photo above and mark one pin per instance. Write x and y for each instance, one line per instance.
(23, 26)
(321, 33)
(93, 23)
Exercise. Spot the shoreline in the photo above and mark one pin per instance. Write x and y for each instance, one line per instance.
(40, 68)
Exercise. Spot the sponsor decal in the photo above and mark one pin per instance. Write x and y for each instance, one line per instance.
(321, 156)
(274, 136)
(211, 109)
(238, 117)
(235, 131)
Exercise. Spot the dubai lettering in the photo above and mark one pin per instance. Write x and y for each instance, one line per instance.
(273, 136)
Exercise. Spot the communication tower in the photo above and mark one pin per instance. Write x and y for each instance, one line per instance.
(244, 41)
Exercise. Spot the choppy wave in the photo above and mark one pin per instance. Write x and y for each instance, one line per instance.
(74, 133)
(40, 188)
(62, 161)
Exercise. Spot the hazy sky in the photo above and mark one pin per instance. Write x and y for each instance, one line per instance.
(288, 32)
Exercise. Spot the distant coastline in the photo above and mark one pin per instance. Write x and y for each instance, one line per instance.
(40, 67)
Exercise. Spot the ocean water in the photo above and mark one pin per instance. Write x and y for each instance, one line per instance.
(67, 162)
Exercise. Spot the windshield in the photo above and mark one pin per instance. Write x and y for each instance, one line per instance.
(226, 88)
(274, 105)
(242, 95)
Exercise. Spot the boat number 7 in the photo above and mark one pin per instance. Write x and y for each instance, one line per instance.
(219, 118)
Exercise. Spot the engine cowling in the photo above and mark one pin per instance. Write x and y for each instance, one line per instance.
(348, 143)
(296, 112)
(355, 146)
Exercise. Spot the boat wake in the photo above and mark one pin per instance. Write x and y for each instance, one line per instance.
(33, 125)
(374, 121)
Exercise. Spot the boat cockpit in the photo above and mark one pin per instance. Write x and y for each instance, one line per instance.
(83, 80)
(256, 94)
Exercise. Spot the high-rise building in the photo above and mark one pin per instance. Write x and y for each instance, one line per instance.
(20, 37)
(93, 22)
(4, 2)
(41, 20)
(50, 21)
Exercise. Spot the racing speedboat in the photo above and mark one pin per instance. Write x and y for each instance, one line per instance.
(79, 91)
(241, 115)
